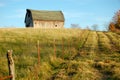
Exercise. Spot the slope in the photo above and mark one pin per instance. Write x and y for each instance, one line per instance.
(65, 54)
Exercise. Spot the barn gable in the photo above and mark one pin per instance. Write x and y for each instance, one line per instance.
(41, 18)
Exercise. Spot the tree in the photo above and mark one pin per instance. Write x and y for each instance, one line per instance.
(116, 17)
(111, 26)
(75, 26)
(106, 26)
(88, 28)
(94, 27)
(115, 24)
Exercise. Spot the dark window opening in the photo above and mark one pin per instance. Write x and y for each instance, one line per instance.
(55, 25)
(27, 25)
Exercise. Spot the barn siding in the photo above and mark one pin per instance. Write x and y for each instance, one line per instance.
(48, 24)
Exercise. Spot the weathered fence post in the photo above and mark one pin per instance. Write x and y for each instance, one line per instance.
(11, 64)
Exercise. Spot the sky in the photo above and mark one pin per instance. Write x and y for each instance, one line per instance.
(82, 12)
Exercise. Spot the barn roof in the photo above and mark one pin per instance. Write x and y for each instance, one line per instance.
(46, 15)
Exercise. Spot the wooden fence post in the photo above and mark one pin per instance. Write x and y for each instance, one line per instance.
(11, 64)
(38, 46)
(54, 45)
(63, 46)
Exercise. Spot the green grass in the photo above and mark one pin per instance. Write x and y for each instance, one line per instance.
(65, 54)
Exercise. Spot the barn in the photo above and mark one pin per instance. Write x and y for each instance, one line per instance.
(44, 19)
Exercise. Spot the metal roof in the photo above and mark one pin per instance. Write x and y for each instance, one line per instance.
(46, 15)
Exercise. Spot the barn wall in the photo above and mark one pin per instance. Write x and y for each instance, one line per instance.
(48, 24)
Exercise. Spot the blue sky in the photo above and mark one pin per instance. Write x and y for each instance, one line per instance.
(82, 12)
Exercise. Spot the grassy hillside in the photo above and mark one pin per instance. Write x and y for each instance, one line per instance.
(66, 54)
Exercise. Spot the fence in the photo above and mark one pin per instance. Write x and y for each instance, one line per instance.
(10, 66)
(58, 46)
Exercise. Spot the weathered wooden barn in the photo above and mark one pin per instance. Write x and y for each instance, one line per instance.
(44, 19)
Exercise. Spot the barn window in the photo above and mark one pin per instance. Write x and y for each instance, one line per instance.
(55, 25)
(27, 25)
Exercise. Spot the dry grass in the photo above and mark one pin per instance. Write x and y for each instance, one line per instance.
(72, 61)
(104, 42)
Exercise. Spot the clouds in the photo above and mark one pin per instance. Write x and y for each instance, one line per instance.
(77, 14)
(82, 18)
(16, 0)
(2, 4)
(14, 17)
(19, 13)
(102, 19)
(85, 18)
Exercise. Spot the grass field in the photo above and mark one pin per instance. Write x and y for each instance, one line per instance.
(65, 54)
